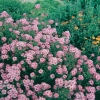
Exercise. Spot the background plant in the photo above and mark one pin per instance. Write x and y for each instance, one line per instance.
(50, 9)
(82, 21)
(15, 8)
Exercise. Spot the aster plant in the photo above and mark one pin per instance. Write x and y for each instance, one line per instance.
(37, 64)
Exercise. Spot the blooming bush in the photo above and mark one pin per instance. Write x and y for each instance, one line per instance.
(37, 64)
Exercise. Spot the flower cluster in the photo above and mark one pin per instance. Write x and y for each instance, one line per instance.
(96, 40)
(37, 64)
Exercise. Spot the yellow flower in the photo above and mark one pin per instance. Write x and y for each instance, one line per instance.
(80, 14)
(80, 19)
(73, 17)
(98, 39)
(94, 42)
(76, 27)
(99, 21)
(98, 36)
(64, 23)
(93, 37)
(85, 38)
(83, 49)
(84, 26)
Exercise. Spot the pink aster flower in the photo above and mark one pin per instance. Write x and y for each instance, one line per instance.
(98, 58)
(1, 23)
(53, 60)
(32, 74)
(41, 98)
(37, 6)
(51, 21)
(9, 20)
(14, 58)
(1, 65)
(80, 77)
(3, 91)
(48, 93)
(56, 95)
(40, 71)
(92, 54)
(37, 87)
(42, 60)
(34, 65)
(45, 86)
(67, 34)
(80, 62)
(21, 97)
(52, 76)
(59, 82)
(49, 67)
(98, 87)
(74, 72)
(91, 82)
(64, 68)
(59, 70)
(4, 14)
(3, 39)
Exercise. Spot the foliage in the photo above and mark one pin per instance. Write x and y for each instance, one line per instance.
(83, 21)
(15, 8)
(51, 8)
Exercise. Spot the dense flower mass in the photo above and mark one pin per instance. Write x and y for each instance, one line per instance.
(37, 64)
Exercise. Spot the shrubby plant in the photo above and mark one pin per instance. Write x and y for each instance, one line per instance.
(83, 21)
(35, 63)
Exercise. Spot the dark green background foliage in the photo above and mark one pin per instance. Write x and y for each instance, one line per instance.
(15, 8)
(54, 9)
(87, 27)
